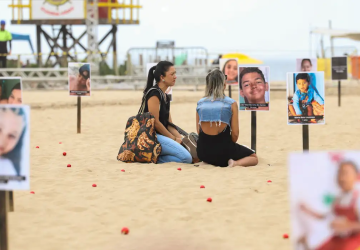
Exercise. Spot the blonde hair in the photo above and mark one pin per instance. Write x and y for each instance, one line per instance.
(215, 81)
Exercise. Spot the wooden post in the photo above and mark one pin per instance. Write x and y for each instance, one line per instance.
(79, 114)
(339, 93)
(141, 60)
(3, 220)
(11, 201)
(115, 65)
(305, 134)
(38, 45)
(253, 130)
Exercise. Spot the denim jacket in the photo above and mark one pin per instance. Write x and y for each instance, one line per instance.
(218, 111)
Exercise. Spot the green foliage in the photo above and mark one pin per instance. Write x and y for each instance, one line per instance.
(105, 69)
(122, 69)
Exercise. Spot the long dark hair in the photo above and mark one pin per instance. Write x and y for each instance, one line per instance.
(155, 72)
(15, 155)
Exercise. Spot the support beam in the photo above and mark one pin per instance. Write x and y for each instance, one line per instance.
(38, 45)
(115, 65)
(92, 22)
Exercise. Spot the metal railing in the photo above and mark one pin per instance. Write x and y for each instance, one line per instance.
(110, 5)
(49, 78)
(57, 79)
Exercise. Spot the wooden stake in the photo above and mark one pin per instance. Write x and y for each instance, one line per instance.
(11, 201)
(4, 244)
(253, 130)
(305, 135)
(79, 114)
(339, 93)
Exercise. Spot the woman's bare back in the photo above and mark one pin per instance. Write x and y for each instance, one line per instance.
(212, 129)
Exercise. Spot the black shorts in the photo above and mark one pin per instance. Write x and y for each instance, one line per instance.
(218, 149)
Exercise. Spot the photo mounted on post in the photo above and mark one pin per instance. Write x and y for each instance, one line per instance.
(306, 98)
(306, 64)
(324, 192)
(254, 88)
(79, 79)
(339, 69)
(14, 147)
(169, 90)
(10, 90)
(230, 68)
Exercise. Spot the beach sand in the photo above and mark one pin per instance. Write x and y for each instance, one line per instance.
(163, 208)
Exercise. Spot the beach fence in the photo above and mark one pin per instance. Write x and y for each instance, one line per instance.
(192, 66)
(57, 79)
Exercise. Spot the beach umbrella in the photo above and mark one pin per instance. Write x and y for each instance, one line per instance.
(242, 59)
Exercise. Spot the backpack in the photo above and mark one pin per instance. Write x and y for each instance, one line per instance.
(140, 140)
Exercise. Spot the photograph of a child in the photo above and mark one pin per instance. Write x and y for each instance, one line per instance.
(79, 79)
(325, 212)
(14, 147)
(10, 90)
(230, 68)
(306, 64)
(306, 100)
(254, 88)
(169, 90)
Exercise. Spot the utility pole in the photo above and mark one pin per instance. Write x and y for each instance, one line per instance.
(331, 41)
(92, 22)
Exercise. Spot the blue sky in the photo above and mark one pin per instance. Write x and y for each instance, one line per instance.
(252, 27)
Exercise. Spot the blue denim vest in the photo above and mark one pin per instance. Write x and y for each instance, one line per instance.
(218, 111)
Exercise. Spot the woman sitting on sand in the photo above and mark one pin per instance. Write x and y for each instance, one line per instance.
(170, 139)
(217, 144)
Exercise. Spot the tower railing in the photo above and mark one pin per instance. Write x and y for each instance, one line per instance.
(117, 17)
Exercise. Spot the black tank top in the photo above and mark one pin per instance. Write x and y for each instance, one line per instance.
(164, 104)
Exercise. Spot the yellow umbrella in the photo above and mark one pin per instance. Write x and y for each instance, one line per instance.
(242, 59)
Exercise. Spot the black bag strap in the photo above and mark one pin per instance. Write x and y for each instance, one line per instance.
(181, 131)
(143, 104)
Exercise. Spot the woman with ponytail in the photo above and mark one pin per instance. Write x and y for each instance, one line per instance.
(158, 104)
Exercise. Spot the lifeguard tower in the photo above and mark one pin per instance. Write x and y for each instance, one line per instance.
(61, 15)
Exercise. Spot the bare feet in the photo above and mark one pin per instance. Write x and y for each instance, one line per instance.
(231, 163)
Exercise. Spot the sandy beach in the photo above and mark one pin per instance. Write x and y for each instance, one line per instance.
(161, 206)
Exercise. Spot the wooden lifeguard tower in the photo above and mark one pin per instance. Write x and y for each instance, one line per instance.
(61, 15)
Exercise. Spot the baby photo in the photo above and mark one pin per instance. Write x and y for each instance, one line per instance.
(325, 200)
(14, 147)
(306, 99)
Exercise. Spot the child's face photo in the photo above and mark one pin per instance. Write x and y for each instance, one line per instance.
(11, 127)
(81, 80)
(302, 85)
(347, 177)
(253, 87)
(306, 66)
(15, 97)
(231, 70)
